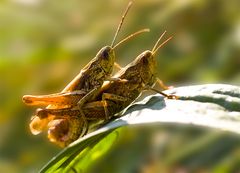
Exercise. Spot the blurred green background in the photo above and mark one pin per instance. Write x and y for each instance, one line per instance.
(45, 43)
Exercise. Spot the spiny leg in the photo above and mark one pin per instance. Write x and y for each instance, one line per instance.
(86, 98)
(58, 113)
(113, 97)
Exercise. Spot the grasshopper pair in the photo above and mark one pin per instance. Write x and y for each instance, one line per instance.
(87, 99)
(92, 76)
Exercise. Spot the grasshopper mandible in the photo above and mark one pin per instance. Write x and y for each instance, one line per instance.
(92, 76)
(113, 96)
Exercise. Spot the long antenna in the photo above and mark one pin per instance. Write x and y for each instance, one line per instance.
(121, 22)
(161, 45)
(154, 47)
(131, 36)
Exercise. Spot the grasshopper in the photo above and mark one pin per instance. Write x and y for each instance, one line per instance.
(92, 76)
(113, 96)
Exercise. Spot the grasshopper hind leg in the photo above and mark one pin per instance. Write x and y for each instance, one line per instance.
(80, 104)
(85, 123)
(111, 97)
(105, 104)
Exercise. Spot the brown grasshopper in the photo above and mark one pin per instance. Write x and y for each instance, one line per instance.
(92, 76)
(112, 98)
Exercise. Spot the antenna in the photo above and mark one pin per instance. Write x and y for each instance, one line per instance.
(161, 45)
(131, 36)
(121, 22)
(156, 47)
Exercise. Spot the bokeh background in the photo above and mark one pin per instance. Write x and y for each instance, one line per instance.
(45, 43)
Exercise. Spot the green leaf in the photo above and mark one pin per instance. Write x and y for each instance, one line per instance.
(214, 106)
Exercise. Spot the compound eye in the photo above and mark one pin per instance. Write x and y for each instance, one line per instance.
(105, 53)
(145, 60)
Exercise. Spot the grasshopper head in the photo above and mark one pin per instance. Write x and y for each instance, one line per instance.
(147, 63)
(106, 58)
